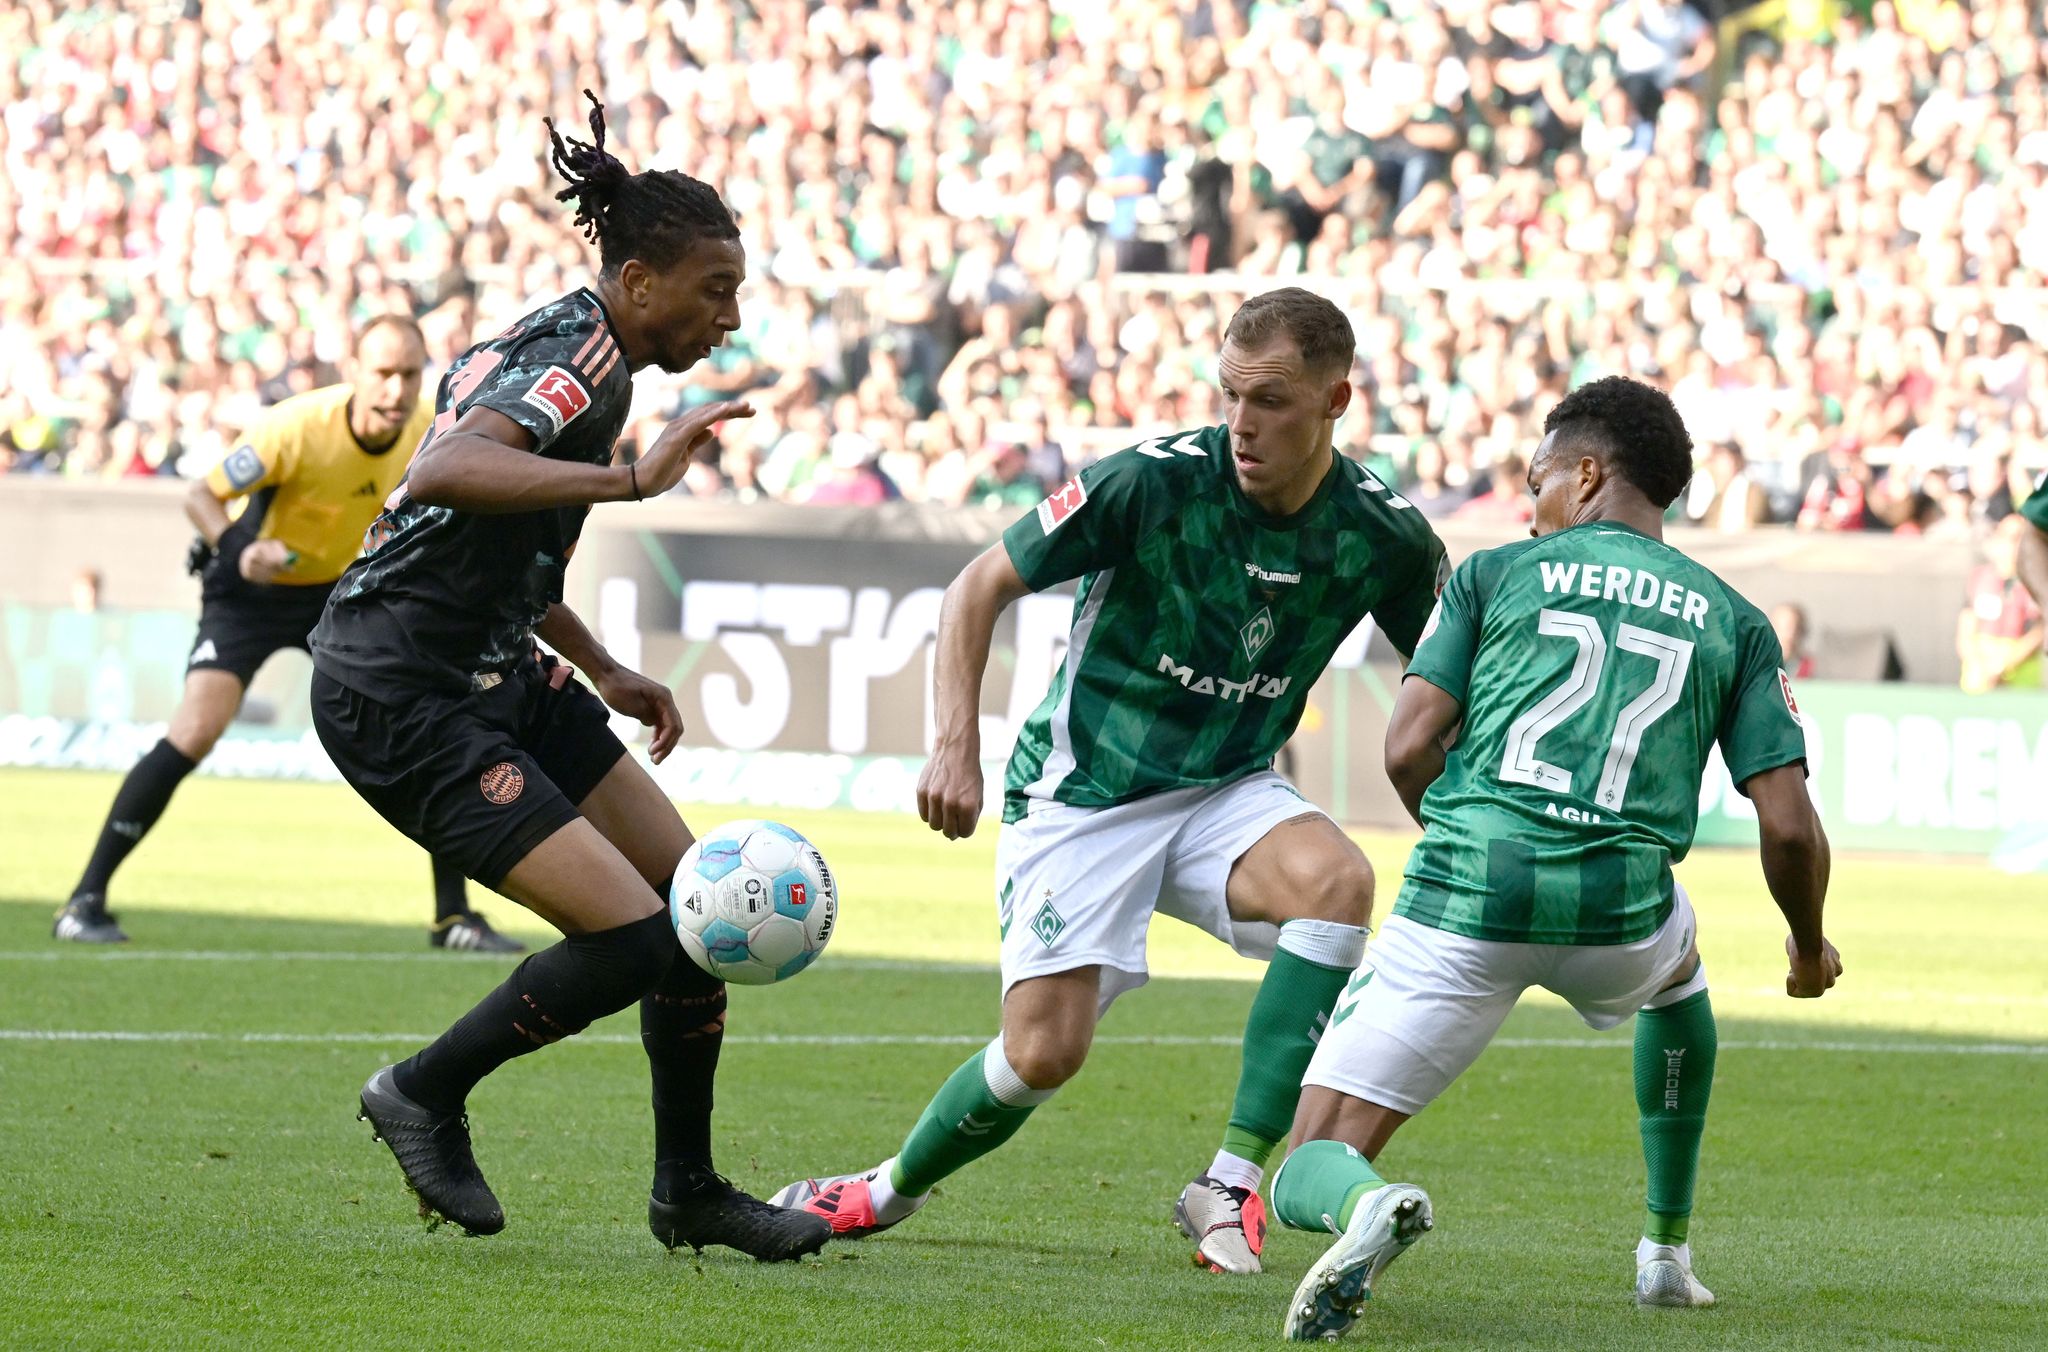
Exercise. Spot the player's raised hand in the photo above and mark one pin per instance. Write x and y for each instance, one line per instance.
(1810, 978)
(662, 467)
(264, 560)
(950, 789)
(650, 701)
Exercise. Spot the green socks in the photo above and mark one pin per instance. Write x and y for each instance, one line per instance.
(1308, 972)
(1674, 1078)
(1319, 1186)
(979, 1107)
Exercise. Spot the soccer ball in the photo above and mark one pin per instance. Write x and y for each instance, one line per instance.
(753, 903)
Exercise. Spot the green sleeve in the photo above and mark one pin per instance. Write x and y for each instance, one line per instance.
(1091, 522)
(1450, 639)
(1403, 613)
(1760, 730)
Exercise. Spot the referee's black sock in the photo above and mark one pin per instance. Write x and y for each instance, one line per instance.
(554, 994)
(451, 891)
(143, 797)
(682, 1027)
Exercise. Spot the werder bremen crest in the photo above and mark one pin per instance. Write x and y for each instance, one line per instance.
(1257, 633)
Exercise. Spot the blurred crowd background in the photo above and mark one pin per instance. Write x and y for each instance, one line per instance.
(991, 240)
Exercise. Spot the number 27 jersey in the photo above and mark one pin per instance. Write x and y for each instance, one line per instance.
(1596, 667)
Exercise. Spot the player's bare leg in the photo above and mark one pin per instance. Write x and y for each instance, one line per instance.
(204, 711)
(210, 702)
(1313, 882)
(1048, 1026)
(629, 809)
(1328, 1183)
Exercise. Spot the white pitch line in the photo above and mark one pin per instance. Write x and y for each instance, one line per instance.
(862, 964)
(977, 1039)
(439, 955)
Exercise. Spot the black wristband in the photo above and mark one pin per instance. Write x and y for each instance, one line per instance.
(633, 477)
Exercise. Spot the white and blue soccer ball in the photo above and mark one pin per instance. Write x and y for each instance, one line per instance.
(753, 903)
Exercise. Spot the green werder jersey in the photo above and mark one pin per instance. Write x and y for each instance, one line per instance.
(1597, 667)
(1201, 622)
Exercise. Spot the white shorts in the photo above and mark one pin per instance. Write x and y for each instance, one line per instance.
(1077, 886)
(1425, 1002)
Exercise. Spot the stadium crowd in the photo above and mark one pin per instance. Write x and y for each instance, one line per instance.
(988, 238)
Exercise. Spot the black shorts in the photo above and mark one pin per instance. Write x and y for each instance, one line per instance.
(239, 630)
(476, 779)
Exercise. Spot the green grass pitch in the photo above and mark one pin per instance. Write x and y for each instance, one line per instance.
(1872, 1173)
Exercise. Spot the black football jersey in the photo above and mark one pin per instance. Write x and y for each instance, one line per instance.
(446, 599)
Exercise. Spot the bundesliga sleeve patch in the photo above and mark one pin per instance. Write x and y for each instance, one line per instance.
(1785, 688)
(558, 395)
(1065, 501)
(244, 468)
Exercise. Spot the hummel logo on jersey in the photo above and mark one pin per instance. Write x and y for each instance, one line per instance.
(205, 652)
(368, 490)
(1252, 570)
(1258, 683)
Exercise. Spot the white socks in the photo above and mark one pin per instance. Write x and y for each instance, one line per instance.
(1235, 1171)
(890, 1205)
(1646, 1249)
(1005, 1086)
(1324, 942)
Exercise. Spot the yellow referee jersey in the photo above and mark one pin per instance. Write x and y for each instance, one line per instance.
(307, 481)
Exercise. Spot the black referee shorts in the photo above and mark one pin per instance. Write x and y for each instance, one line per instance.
(477, 779)
(241, 628)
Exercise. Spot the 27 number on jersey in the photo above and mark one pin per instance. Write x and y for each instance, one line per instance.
(1520, 763)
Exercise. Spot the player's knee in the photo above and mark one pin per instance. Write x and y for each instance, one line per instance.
(1044, 1058)
(1336, 886)
(637, 955)
(193, 736)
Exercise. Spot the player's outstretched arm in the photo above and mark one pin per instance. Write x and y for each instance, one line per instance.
(621, 688)
(2033, 565)
(484, 463)
(1423, 718)
(949, 791)
(1796, 863)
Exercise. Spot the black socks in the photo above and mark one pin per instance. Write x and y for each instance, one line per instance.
(144, 795)
(554, 994)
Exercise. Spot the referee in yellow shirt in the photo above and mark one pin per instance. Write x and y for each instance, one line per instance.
(306, 482)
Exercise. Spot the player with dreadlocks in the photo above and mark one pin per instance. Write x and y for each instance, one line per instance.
(435, 704)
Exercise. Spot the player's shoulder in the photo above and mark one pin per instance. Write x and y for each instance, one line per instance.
(1172, 467)
(307, 412)
(1743, 613)
(567, 321)
(561, 358)
(1484, 568)
(1373, 506)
